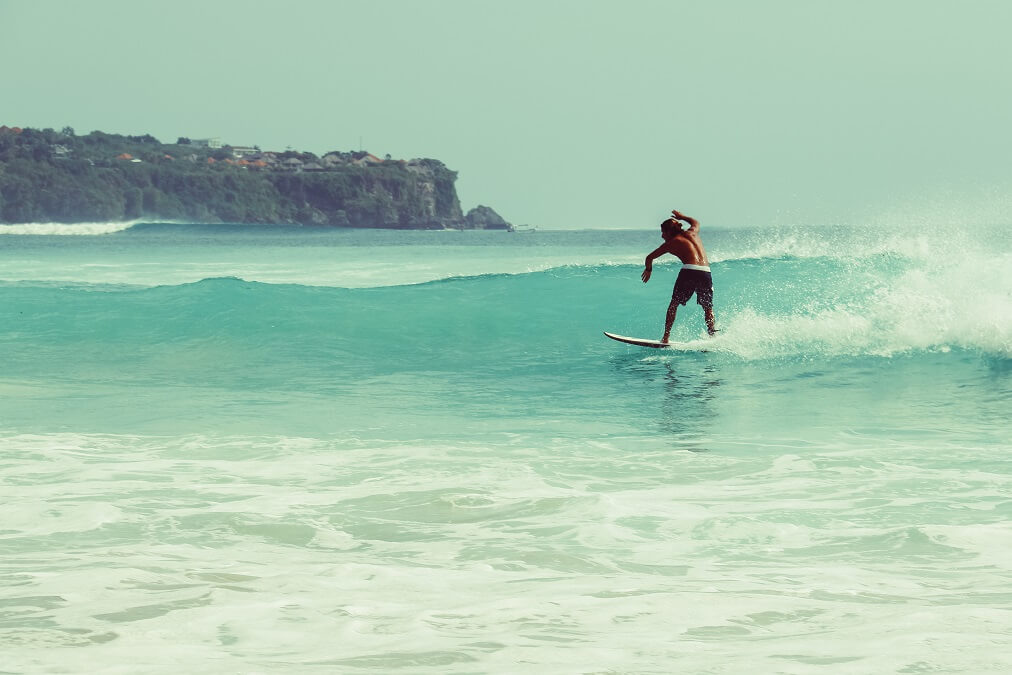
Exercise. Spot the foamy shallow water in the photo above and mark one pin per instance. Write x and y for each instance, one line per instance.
(263, 554)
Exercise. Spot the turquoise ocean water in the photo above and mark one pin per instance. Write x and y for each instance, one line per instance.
(235, 449)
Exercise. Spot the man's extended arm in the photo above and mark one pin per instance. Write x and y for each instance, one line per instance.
(693, 223)
(649, 264)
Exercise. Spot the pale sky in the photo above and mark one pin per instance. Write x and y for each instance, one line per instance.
(563, 113)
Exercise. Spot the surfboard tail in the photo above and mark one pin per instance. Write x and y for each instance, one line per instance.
(639, 342)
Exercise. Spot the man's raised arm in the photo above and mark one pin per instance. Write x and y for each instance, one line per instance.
(693, 223)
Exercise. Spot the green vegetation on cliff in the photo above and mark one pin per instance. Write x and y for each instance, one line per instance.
(50, 176)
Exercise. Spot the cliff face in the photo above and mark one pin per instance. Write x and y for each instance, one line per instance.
(374, 196)
(47, 176)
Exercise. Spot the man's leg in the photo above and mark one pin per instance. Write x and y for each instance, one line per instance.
(669, 320)
(704, 296)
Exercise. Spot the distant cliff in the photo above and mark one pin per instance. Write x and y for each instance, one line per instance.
(50, 176)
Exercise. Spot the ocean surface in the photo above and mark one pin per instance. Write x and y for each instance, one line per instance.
(230, 449)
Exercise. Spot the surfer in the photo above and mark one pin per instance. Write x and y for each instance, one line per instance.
(694, 276)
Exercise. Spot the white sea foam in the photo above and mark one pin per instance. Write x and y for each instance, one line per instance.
(79, 229)
(963, 301)
(426, 557)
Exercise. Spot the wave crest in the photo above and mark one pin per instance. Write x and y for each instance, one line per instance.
(78, 229)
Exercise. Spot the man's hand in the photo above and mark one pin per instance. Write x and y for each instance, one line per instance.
(693, 223)
(646, 274)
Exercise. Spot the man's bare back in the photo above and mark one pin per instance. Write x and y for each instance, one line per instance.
(687, 247)
(683, 244)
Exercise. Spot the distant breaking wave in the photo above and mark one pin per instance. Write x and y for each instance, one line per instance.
(98, 229)
(78, 229)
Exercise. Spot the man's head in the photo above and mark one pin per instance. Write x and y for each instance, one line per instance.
(670, 228)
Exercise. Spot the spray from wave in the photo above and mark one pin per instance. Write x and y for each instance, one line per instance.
(957, 299)
(913, 242)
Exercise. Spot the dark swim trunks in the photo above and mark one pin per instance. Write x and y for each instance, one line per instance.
(693, 281)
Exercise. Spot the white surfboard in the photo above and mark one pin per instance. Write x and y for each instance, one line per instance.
(639, 342)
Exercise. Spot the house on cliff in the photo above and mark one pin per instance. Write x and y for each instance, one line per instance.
(244, 151)
(365, 159)
(332, 159)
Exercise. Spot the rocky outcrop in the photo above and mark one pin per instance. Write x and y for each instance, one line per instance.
(485, 218)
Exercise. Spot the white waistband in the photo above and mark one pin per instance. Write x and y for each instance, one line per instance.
(701, 268)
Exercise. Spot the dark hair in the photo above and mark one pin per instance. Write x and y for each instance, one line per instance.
(671, 227)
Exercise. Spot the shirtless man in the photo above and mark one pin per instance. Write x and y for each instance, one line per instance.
(695, 274)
